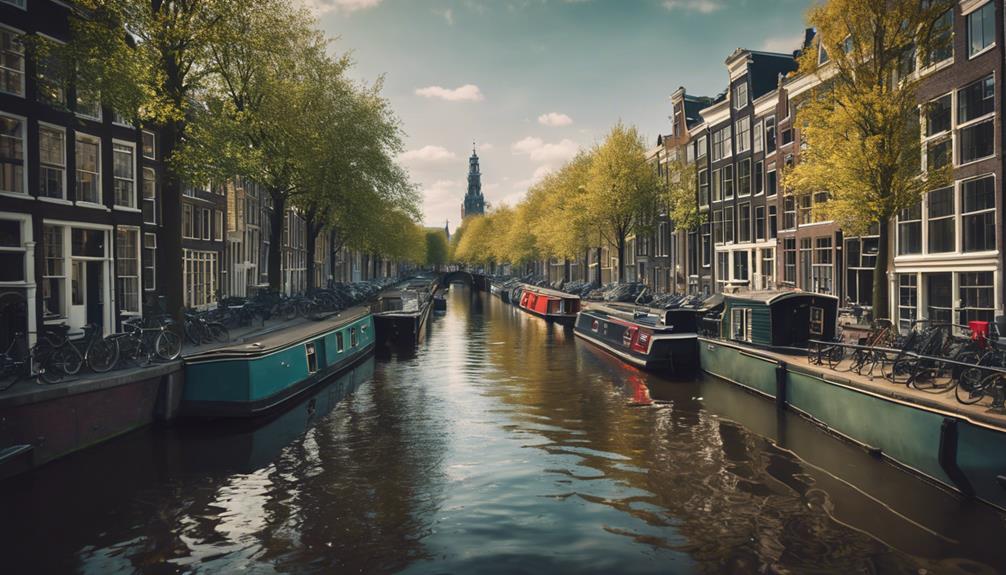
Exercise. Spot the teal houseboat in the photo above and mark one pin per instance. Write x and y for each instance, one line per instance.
(251, 378)
(779, 319)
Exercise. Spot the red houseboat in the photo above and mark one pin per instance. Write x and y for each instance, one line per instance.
(549, 304)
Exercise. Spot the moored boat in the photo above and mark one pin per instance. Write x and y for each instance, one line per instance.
(401, 312)
(549, 304)
(664, 340)
(249, 379)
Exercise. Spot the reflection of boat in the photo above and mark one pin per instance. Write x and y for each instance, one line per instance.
(255, 443)
(400, 312)
(248, 379)
(652, 339)
(550, 304)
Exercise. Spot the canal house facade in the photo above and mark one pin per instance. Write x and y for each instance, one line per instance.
(78, 188)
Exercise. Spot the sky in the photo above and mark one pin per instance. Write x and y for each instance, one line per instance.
(531, 82)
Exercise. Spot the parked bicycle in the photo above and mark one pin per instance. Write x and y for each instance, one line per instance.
(145, 343)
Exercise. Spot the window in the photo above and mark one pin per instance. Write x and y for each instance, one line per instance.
(707, 246)
(48, 78)
(88, 169)
(54, 274)
(728, 181)
(743, 129)
(981, 29)
(127, 269)
(149, 145)
(744, 177)
(312, 357)
(773, 222)
(759, 230)
(741, 265)
(11, 155)
(52, 162)
(740, 321)
(150, 211)
(722, 267)
(353, 342)
(700, 147)
(787, 137)
(124, 172)
(943, 40)
(204, 222)
(340, 344)
(717, 186)
(722, 144)
(822, 55)
(908, 300)
(759, 178)
(744, 223)
(942, 221)
(200, 277)
(822, 275)
(149, 261)
(910, 230)
(976, 119)
(978, 205)
(767, 268)
(789, 260)
(728, 224)
(977, 295)
(937, 115)
(939, 297)
(758, 145)
(939, 152)
(88, 104)
(703, 187)
(806, 264)
(805, 210)
(771, 183)
(11, 62)
(218, 225)
(816, 320)
(718, 226)
(788, 213)
(937, 125)
(770, 143)
(740, 95)
(818, 212)
(861, 258)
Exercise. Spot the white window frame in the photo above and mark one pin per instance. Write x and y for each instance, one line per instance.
(24, 60)
(153, 140)
(958, 126)
(966, 14)
(738, 102)
(950, 133)
(78, 136)
(152, 182)
(742, 129)
(24, 157)
(133, 183)
(218, 225)
(41, 165)
(149, 263)
(137, 277)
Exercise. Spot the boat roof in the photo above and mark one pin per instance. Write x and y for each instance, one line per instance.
(769, 297)
(549, 292)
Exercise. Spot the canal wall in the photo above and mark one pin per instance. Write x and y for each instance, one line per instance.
(40, 423)
(965, 453)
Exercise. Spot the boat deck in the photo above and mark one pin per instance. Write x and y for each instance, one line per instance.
(943, 402)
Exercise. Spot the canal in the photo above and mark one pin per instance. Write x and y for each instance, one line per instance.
(502, 446)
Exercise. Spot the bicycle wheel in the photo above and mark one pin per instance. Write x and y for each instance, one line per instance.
(192, 332)
(103, 355)
(218, 332)
(66, 359)
(835, 355)
(289, 311)
(970, 394)
(168, 345)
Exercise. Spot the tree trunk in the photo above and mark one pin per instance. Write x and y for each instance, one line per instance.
(621, 258)
(597, 276)
(170, 264)
(881, 310)
(276, 240)
(313, 231)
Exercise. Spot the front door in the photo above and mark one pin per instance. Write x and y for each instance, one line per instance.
(86, 293)
(78, 293)
(95, 294)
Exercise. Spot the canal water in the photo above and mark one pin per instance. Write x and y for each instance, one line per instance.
(502, 446)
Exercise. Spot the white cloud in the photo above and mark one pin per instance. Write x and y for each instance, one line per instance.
(700, 6)
(428, 154)
(344, 6)
(449, 16)
(466, 93)
(783, 44)
(542, 152)
(554, 119)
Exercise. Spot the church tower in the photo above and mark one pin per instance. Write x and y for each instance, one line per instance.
(474, 202)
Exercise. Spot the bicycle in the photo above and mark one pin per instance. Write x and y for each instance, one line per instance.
(98, 354)
(137, 341)
(199, 330)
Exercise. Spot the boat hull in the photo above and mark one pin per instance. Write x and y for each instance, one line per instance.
(252, 383)
(549, 305)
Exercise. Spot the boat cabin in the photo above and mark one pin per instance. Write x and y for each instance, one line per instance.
(779, 318)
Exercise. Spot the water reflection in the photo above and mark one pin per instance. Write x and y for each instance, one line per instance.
(503, 446)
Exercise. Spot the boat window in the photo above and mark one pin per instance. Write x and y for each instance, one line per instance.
(339, 343)
(816, 320)
(740, 324)
(593, 325)
(352, 337)
(312, 357)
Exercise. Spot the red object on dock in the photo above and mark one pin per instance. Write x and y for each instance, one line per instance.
(979, 331)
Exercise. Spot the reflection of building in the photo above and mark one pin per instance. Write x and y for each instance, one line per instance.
(79, 209)
(474, 201)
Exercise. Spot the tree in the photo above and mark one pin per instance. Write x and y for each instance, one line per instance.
(861, 125)
(680, 195)
(621, 188)
(152, 74)
(437, 250)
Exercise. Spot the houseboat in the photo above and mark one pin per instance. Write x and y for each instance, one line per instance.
(401, 312)
(780, 319)
(252, 378)
(549, 304)
(653, 339)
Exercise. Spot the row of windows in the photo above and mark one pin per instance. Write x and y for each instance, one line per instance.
(959, 127)
(751, 179)
(957, 219)
(947, 297)
(202, 223)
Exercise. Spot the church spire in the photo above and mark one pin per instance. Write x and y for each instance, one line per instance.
(474, 203)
